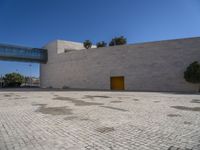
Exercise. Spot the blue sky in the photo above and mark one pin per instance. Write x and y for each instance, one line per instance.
(36, 22)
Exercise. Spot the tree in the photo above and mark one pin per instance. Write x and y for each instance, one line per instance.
(118, 41)
(87, 44)
(13, 80)
(192, 73)
(101, 44)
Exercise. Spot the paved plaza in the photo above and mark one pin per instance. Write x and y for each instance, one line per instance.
(94, 120)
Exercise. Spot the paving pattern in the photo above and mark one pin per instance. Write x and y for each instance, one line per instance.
(70, 120)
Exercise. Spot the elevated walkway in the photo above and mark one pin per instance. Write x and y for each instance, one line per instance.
(24, 54)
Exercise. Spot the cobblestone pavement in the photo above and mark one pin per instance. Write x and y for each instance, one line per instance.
(58, 120)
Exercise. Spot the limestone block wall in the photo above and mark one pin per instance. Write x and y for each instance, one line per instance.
(154, 66)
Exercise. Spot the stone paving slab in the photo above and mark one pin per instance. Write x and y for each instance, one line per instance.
(89, 120)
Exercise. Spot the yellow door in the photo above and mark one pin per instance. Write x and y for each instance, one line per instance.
(117, 83)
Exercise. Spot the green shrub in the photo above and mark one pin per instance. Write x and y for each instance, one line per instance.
(87, 44)
(101, 44)
(13, 80)
(192, 73)
(118, 41)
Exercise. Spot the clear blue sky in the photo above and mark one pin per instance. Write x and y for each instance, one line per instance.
(36, 22)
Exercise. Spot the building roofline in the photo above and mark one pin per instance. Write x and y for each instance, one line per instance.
(167, 40)
(132, 44)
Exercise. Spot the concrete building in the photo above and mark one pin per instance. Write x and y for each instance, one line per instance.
(154, 66)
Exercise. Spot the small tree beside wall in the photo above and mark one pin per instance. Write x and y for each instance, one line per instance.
(192, 73)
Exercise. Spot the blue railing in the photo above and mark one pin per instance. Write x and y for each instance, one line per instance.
(19, 53)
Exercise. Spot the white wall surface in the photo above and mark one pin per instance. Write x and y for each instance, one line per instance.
(155, 66)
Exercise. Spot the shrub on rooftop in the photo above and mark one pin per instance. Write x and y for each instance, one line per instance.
(118, 41)
(87, 44)
(101, 44)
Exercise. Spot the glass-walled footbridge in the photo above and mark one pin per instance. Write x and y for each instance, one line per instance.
(24, 54)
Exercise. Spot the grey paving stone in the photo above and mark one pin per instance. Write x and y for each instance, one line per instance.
(42, 121)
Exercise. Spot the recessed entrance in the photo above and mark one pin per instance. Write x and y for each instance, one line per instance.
(117, 83)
